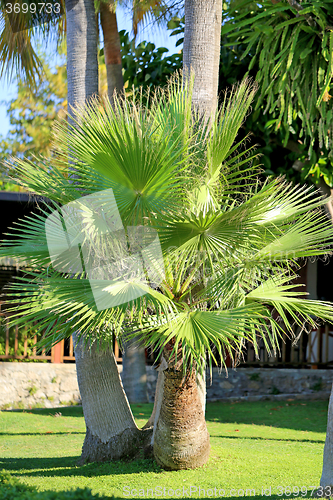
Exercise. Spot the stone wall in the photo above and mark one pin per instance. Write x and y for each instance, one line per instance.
(27, 385)
(262, 383)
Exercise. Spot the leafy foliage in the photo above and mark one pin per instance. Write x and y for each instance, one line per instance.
(31, 115)
(230, 245)
(22, 335)
(292, 44)
(18, 58)
(145, 65)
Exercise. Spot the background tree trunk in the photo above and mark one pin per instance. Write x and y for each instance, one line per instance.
(201, 52)
(327, 472)
(82, 64)
(134, 375)
(112, 51)
(111, 430)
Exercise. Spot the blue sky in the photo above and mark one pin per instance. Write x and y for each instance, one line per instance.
(150, 33)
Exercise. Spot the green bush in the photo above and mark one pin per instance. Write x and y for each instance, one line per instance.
(146, 65)
(11, 488)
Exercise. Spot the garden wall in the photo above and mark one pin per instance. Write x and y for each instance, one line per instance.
(27, 385)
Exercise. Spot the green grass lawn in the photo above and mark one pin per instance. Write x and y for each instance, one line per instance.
(253, 446)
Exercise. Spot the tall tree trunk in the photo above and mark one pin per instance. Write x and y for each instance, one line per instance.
(112, 52)
(111, 430)
(327, 472)
(201, 53)
(181, 438)
(82, 64)
(134, 361)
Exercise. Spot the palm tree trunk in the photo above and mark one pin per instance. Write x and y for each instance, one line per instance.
(82, 64)
(112, 52)
(181, 439)
(327, 472)
(181, 436)
(111, 431)
(110, 428)
(201, 53)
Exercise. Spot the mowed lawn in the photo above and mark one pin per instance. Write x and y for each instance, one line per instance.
(254, 446)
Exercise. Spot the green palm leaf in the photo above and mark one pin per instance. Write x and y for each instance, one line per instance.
(229, 244)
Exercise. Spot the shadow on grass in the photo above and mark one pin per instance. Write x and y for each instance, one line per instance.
(51, 433)
(140, 411)
(316, 441)
(67, 466)
(67, 411)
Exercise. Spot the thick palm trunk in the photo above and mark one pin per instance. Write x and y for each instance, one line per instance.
(181, 437)
(111, 431)
(202, 41)
(112, 52)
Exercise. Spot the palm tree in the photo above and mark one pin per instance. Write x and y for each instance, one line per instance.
(228, 247)
(17, 56)
(111, 432)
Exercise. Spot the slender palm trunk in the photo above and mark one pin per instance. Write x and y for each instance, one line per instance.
(82, 64)
(327, 472)
(111, 431)
(112, 52)
(202, 42)
(134, 361)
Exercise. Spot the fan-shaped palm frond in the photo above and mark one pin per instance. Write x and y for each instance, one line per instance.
(213, 264)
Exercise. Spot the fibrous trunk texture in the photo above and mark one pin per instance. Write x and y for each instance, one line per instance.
(82, 65)
(201, 53)
(112, 51)
(111, 430)
(181, 438)
(134, 375)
